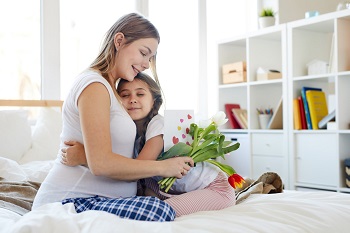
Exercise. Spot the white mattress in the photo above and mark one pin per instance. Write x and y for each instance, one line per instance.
(291, 211)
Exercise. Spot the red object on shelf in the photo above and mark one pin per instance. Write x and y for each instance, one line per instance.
(228, 108)
(302, 113)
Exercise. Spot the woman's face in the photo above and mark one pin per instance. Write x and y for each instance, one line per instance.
(135, 57)
(136, 98)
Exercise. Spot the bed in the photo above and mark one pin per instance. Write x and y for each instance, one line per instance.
(26, 155)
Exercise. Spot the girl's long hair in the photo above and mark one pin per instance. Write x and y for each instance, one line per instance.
(156, 92)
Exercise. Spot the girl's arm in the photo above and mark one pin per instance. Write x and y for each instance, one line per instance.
(94, 111)
(152, 148)
(74, 154)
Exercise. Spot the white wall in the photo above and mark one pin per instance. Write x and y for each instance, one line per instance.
(291, 10)
(295, 9)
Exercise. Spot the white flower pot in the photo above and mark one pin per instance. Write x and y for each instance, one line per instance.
(266, 21)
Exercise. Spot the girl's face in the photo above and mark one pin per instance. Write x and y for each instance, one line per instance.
(136, 98)
(134, 58)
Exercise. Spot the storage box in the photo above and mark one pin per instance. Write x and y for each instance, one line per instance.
(234, 72)
(315, 67)
(236, 77)
(268, 76)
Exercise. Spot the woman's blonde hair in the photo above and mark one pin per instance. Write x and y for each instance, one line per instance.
(134, 27)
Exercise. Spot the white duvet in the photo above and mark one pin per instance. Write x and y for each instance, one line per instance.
(291, 211)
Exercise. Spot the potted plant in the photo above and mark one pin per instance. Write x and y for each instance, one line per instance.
(266, 18)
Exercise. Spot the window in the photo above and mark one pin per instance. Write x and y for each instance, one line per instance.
(177, 55)
(83, 26)
(224, 20)
(20, 73)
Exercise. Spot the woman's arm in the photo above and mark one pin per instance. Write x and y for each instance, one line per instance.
(93, 105)
(74, 154)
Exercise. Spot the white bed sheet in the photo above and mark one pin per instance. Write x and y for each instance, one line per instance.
(291, 211)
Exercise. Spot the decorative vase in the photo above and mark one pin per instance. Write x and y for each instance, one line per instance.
(266, 21)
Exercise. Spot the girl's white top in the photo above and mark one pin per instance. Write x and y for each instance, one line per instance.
(67, 182)
(198, 177)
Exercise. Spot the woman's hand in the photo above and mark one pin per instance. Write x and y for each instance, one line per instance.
(176, 167)
(74, 154)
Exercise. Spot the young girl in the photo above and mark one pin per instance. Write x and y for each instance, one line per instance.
(94, 116)
(205, 185)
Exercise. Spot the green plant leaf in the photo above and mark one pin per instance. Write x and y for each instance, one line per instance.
(204, 144)
(231, 148)
(267, 12)
(224, 167)
(180, 149)
(212, 153)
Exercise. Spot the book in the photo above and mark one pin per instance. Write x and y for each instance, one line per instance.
(331, 62)
(323, 123)
(306, 107)
(241, 117)
(276, 121)
(317, 106)
(302, 113)
(233, 123)
(296, 113)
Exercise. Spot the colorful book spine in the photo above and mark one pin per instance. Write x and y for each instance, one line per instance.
(306, 107)
(296, 113)
(302, 113)
(317, 106)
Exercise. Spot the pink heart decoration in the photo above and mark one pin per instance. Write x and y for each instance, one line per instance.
(175, 140)
(181, 120)
(183, 136)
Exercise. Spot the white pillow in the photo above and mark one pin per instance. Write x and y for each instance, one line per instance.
(46, 136)
(15, 134)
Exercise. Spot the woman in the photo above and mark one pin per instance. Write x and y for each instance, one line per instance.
(94, 116)
(205, 186)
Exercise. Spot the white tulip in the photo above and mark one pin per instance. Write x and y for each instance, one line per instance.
(219, 118)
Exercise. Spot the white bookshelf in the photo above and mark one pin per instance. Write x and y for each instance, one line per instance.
(304, 159)
(317, 156)
(265, 48)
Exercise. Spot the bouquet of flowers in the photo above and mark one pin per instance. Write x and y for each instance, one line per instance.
(208, 144)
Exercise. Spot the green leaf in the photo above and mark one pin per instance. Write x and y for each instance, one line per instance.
(224, 167)
(204, 155)
(203, 145)
(180, 149)
(220, 144)
(229, 149)
(265, 12)
(207, 130)
(226, 143)
(194, 131)
(210, 136)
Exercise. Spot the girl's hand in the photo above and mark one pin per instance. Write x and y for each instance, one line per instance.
(74, 154)
(176, 167)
